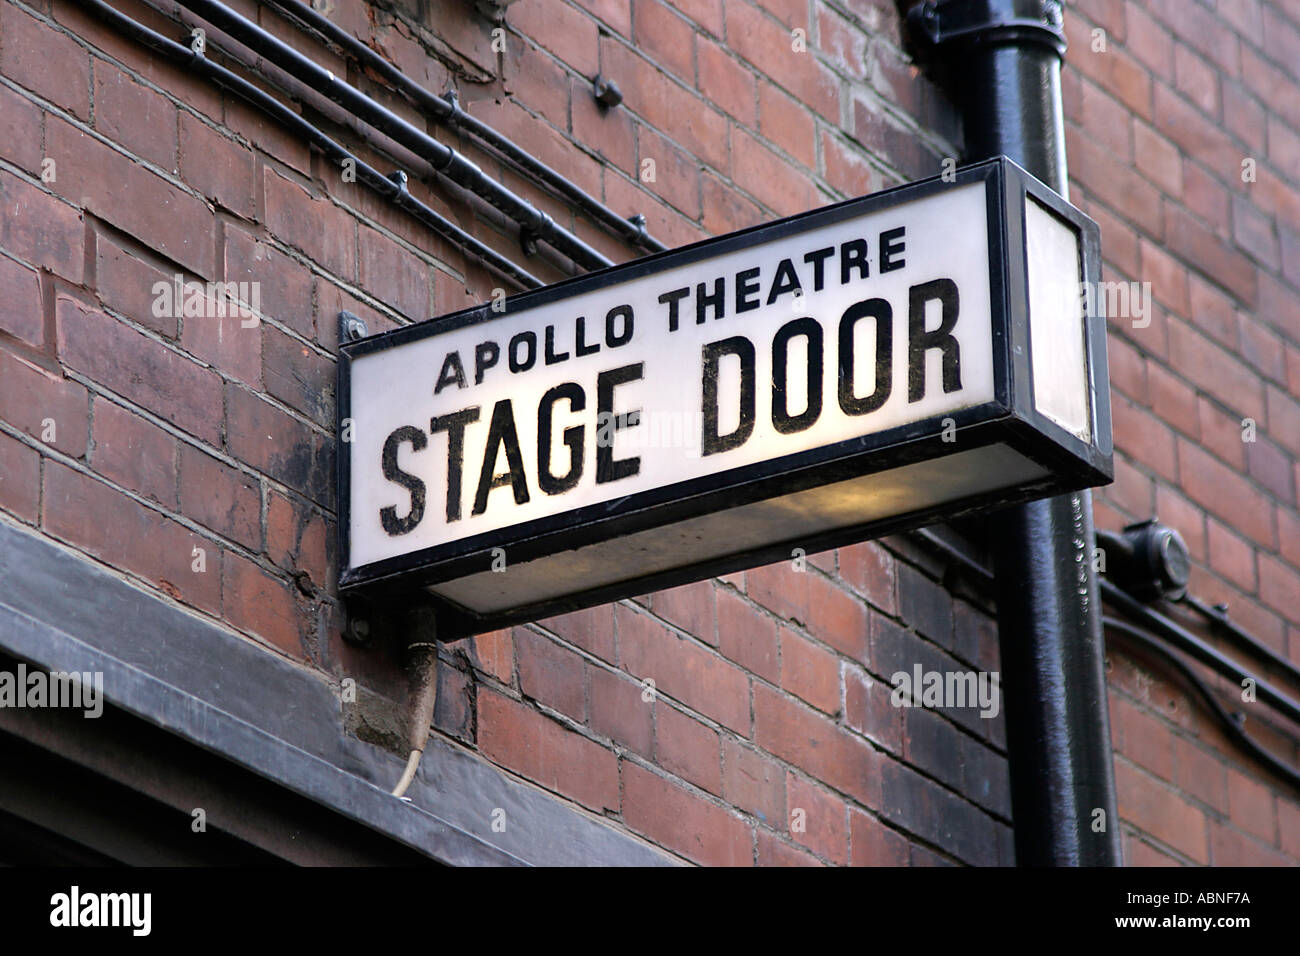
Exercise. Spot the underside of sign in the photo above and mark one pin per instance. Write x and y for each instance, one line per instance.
(890, 361)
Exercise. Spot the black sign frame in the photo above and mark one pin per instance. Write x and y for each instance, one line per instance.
(1011, 418)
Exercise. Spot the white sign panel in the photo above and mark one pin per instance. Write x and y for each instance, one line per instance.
(594, 403)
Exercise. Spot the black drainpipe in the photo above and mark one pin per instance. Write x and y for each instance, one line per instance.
(1001, 62)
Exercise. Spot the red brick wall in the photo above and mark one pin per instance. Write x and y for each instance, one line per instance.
(1158, 128)
(771, 687)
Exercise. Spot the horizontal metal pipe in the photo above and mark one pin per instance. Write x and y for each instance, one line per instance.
(1230, 726)
(1239, 637)
(1193, 646)
(447, 161)
(393, 190)
(446, 109)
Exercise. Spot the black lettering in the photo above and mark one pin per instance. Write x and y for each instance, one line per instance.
(889, 248)
(501, 434)
(454, 425)
(486, 355)
(787, 280)
(623, 312)
(715, 300)
(671, 299)
(782, 420)
(394, 525)
(920, 341)
(710, 441)
(549, 355)
(580, 346)
(853, 254)
(879, 310)
(607, 468)
(453, 373)
(573, 438)
(818, 259)
(527, 338)
(746, 291)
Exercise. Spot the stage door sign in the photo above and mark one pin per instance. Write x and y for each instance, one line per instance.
(882, 363)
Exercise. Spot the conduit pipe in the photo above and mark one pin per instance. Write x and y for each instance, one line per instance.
(393, 188)
(535, 224)
(447, 110)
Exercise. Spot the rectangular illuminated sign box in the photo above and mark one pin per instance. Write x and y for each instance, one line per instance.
(876, 365)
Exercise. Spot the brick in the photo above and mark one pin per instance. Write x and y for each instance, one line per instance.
(1201, 774)
(531, 74)
(691, 607)
(550, 674)
(1231, 557)
(20, 131)
(143, 370)
(1158, 159)
(261, 604)
(1106, 121)
(810, 672)
(278, 445)
(683, 670)
(494, 654)
(1114, 70)
(267, 134)
(134, 116)
(1199, 27)
(780, 589)
(299, 539)
(134, 452)
(30, 395)
(606, 133)
(846, 170)
(770, 48)
(299, 376)
(1254, 233)
(1204, 195)
(689, 749)
(20, 479)
(936, 814)
(1284, 419)
(126, 283)
(217, 166)
(226, 338)
(786, 123)
(1270, 466)
(985, 777)
(837, 618)
(1279, 587)
(1250, 806)
(562, 31)
(725, 210)
(823, 828)
(1114, 182)
(932, 744)
(317, 227)
(94, 177)
(137, 539)
(816, 744)
(1244, 116)
(683, 822)
(40, 229)
(220, 498)
(620, 712)
(869, 569)
(726, 83)
(1233, 848)
(514, 735)
(867, 709)
(925, 605)
(1162, 812)
(747, 636)
(1148, 40)
(753, 782)
(284, 285)
(591, 629)
(1196, 80)
(874, 844)
(1138, 434)
(665, 37)
(844, 42)
(774, 851)
(676, 179)
(20, 290)
(395, 276)
(1216, 371)
(30, 46)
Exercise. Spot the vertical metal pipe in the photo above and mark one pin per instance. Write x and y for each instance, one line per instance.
(1002, 61)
